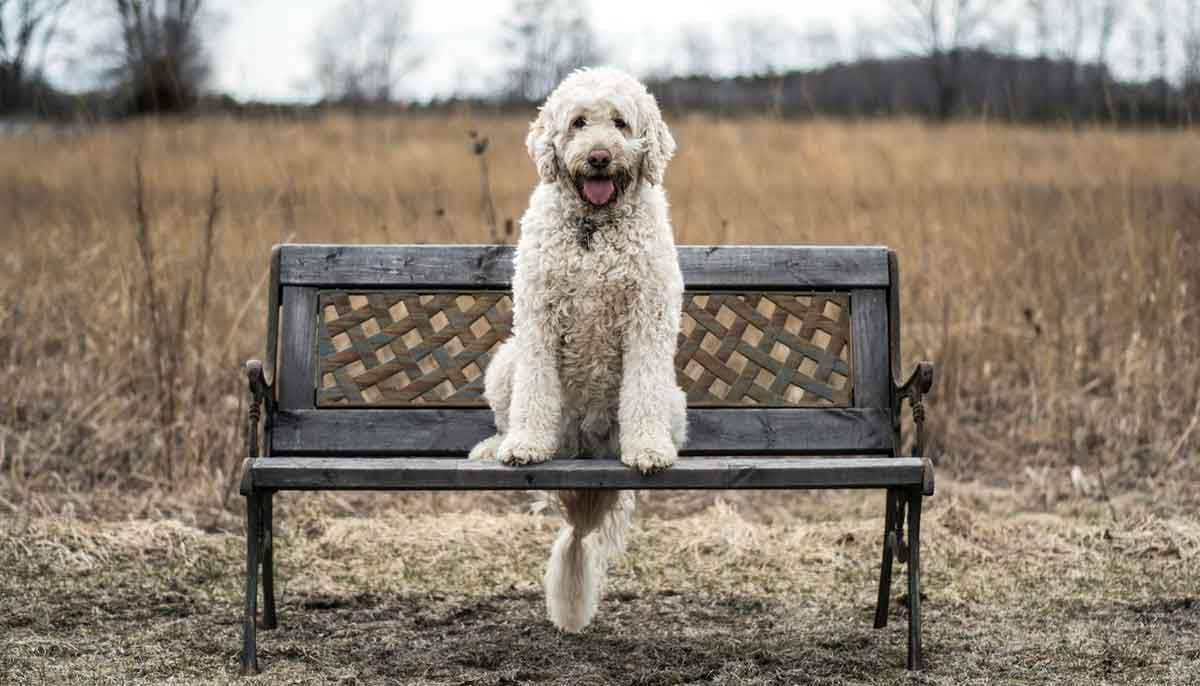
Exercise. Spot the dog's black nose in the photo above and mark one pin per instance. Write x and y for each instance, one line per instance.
(599, 158)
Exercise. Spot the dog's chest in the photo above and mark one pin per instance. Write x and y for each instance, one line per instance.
(591, 296)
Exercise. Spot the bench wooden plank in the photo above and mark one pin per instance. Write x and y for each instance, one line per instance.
(490, 266)
(416, 473)
(872, 356)
(298, 361)
(449, 431)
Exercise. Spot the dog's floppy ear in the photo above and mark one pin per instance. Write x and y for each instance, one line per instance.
(659, 145)
(540, 143)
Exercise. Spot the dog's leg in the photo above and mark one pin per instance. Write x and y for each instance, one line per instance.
(678, 408)
(648, 425)
(497, 389)
(536, 399)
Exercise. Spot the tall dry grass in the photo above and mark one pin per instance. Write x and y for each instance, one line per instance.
(1051, 274)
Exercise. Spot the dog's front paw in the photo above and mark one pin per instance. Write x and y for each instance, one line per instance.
(521, 448)
(649, 459)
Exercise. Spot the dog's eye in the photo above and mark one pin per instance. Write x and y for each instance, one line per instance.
(620, 123)
(578, 123)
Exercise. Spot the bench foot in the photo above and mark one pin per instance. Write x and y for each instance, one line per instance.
(914, 580)
(249, 647)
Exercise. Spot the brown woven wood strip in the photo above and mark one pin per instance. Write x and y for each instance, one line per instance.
(408, 348)
(396, 348)
(774, 349)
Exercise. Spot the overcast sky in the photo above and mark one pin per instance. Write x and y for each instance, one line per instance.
(264, 48)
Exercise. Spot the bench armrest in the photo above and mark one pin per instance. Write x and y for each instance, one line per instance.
(259, 395)
(914, 390)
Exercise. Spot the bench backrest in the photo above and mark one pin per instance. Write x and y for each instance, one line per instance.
(381, 349)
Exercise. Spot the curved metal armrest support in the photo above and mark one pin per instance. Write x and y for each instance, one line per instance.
(914, 389)
(260, 395)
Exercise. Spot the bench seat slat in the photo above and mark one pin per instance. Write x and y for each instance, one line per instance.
(415, 473)
(490, 266)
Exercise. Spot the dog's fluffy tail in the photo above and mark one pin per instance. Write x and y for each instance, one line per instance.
(595, 525)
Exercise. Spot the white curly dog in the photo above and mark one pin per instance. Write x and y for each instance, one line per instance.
(597, 294)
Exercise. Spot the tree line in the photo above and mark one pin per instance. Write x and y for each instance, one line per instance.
(1024, 59)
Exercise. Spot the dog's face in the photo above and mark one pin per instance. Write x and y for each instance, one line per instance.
(598, 152)
(599, 134)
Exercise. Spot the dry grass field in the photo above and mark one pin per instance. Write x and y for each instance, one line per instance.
(780, 596)
(1052, 275)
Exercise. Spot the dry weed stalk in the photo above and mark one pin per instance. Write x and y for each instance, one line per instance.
(210, 230)
(479, 145)
(150, 294)
(169, 337)
(163, 354)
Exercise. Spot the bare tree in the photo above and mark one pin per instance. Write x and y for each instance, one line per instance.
(697, 51)
(27, 28)
(821, 43)
(1138, 45)
(160, 59)
(1191, 55)
(865, 41)
(1083, 20)
(1039, 12)
(940, 30)
(1159, 10)
(1110, 16)
(1075, 18)
(546, 39)
(364, 49)
(762, 45)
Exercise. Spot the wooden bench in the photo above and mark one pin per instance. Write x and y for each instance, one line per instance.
(374, 372)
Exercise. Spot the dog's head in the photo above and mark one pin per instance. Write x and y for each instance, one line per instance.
(600, 133)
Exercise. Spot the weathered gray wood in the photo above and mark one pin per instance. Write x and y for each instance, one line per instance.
(249, 647)
(802, 431)
(869, 327)
(267, 526)
(273, 295)
(414, 473)
(297, 378)
(490, 266)
(927, 488)
(744, 431)
(914, 579)
(894, 315)
(885, 567)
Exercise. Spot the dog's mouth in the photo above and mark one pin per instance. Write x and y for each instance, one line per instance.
(601, 190)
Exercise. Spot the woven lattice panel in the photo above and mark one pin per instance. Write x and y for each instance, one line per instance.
(404, 348)
(775, 349)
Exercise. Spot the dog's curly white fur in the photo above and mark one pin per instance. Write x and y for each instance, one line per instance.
(597, 294)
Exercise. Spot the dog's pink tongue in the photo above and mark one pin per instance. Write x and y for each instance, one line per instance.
(599, 191)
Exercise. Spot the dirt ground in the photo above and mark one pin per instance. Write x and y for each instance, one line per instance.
(740, 588)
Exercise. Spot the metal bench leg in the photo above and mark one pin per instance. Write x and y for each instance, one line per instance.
(268, 560)
(249, 649)
(914, 580)
(885, 567)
